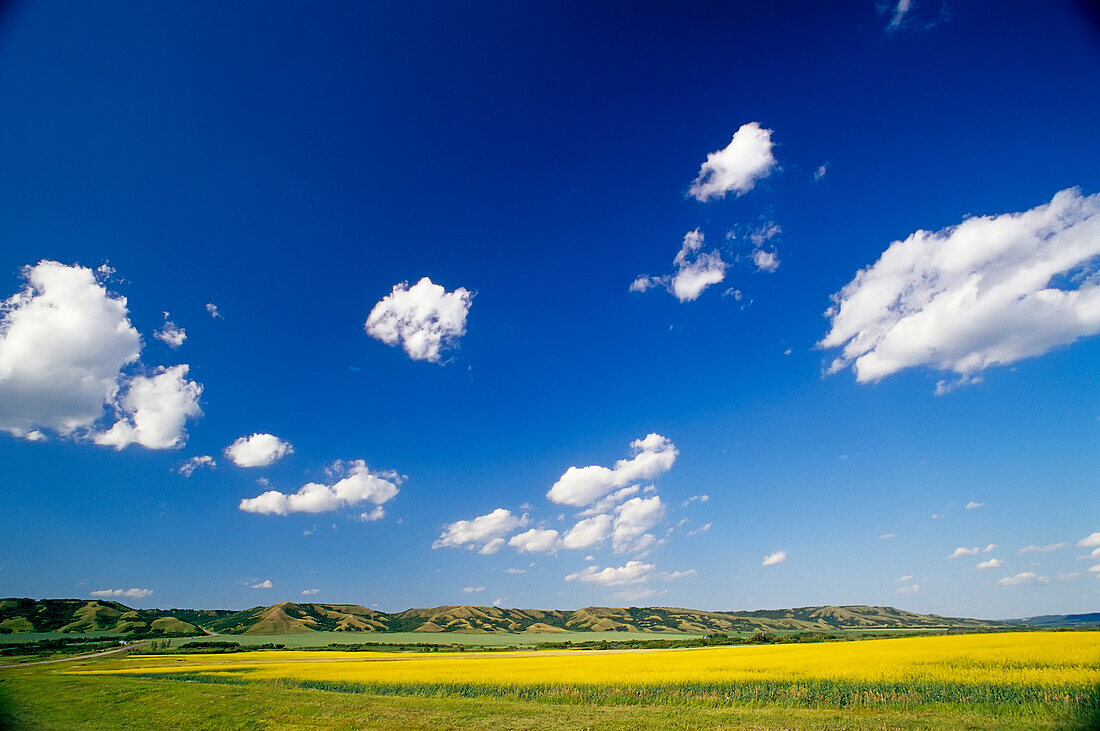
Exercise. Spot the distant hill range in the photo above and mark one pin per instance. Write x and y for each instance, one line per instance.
(79, 615)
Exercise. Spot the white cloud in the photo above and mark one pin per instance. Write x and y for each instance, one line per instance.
(974, 505)
(990, 564)
(820, 173)
(424, 318)
(887, 536)
(472, 589)
(634, 572)
(695, 271)
(154, 410)
(903, 579)
(1023, 579)
(900, 11)
(1090, 541)
(1094, 569)
(634, 518)
(774, 558)
(375, 513)
(701, 529)
(310, 592)
(258, 450)
(912, 589)
(1070, 576)
(695, 499)
(64, 341)
(580, 486)
(170, 334)
(357, 486)
(962, 552)
(673, 575)
(738, 166)
(213, 310)
(134, 593)
(485, 532)
(190, 465)
(498, 601)
(536, 540)
(608, 503)
(515, 571)
(990, 547)
(1095, 554)
(765, 260)
(265, 584)
(991, 291)
(588, 532)
(1049, 548)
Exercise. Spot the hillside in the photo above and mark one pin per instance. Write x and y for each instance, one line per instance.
(76, 615)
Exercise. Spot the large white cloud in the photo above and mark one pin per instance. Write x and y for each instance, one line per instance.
(154, 410)
(990, 291)
(64, 341)
(484, 533)
(258, 450)
(634, 572)
(736, 168)
(67, 348)
(580, 486)
(634, 519)
(424, 318)
(536, 540)
(359, 485)
(695, 271)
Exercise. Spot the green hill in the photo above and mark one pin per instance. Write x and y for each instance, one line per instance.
(79, 616)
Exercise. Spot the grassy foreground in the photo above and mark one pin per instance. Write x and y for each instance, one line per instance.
(1032, 680)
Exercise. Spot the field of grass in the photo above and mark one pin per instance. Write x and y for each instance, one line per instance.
(1016, 680)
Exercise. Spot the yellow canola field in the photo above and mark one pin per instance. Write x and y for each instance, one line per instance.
(1037, 659)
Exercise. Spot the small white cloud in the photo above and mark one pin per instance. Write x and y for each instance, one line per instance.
(988, 292)
(695, 271)
(1094, 569)
(265, 584)
(900, 11)
(134, 593)
(820, 173)
(580, 486)
(903, 579)
(974, 505)
(1023, 579)
(913, 589)
(258, 450)
(736, 168)
(1049, 548)
(701, 529)
(484, 533)
(961, 552)
(376, 513)
(989, 564)
(990, 547)
(673, 575)
(213, 310)
(472, 589)
(310, 592)
(1090, 541)
(424, 319)
(536, 540)
(188, 466)
(887, 536)
(774, 558)
(634, 572)
(358, 485)
(515, 571)
(170, 334)
(1071, 576)
(498, 601)
(695, 499)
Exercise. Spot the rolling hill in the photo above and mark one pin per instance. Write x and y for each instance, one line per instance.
(76, 615)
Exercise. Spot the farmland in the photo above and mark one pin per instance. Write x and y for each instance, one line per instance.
(1028, 680)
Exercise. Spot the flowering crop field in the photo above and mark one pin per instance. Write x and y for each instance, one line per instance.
(1031, 667)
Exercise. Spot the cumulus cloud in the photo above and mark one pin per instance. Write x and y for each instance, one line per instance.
(472, 589)
(258, 450)
(170, 334)
(695, 499)
(1023, 579)
(695, 270)
(765, 261)
(1090, 541)
(579, 486)
(588, 532)
(375, 513)
(774, 558)
(310, 592)
(265, 584)
(424, 318)
(990, 291)
(188, 466)
(212, 309)
(634, 572)
(737, 167)
(990, 564)
(536, 540)
(484, 533)
(66, 351)
(962, 552)
(133, 593)
(154, 410)
(1049, 548)
(358, 485)
(633, 520)
(972, 505)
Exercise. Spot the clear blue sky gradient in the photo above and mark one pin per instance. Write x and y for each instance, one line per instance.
(291, 162)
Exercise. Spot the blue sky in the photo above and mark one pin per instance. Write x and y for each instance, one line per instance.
(303, 169)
